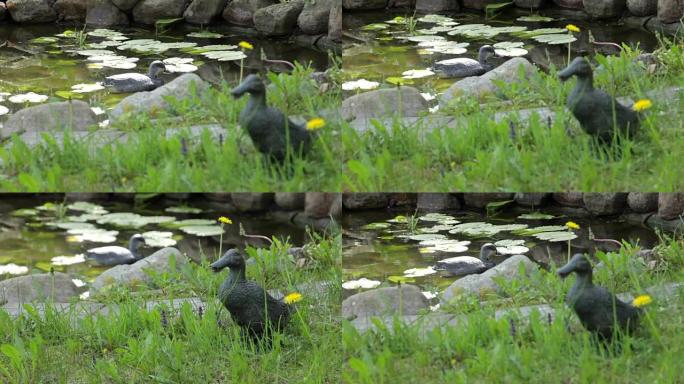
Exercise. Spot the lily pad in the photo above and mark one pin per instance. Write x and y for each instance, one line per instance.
(435, 217)
(25, 212)
(536, 216)
(398, 220)
(3, 110)
(45, 40)
(426, 236)
(132, 220)
(203, 230)
(68, 260)
(107, 33)
(424, 38)
(373, 226)
(225, 55)
(419, 272)
(205, 35)
(359, 84)
(401, 279)
(511, 247)
(511, 227)
(183, 209)
(375, 27)
(543, 228)
(13, 269)
(29, 97)
(188, 222)
(94, 235)
(95, 52)
(71, 225)
(535, 19)
(556, 236)
(85, 88)
(476, 229)
(417, 73)
(179, 65)
(435, 19)
(556, 38)
(159, 239)
(360, 283)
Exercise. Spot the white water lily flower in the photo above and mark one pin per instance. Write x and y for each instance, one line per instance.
(97, 111)
(417, 73)
(433, 109)
(3, 110)
(360, 283)
(359, 84)
(103, 123)
(429, 295)
(85, 88)
(68, 260)
(84, 296)
(434, 307)
(418, 272)
(13, 269)
(428, 96)
(78, 283)
(30, 97)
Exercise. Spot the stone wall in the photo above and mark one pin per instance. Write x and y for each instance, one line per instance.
(269, 17)
(661, 209)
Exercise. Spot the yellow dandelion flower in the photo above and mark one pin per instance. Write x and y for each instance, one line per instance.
(642, 105)
(293, 298)
(245, 45)
(641, 301)
(315, 123)
(572, 28)
(572, 225)
(225, 220)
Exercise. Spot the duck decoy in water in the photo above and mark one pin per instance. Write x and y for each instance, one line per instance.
(115, 255)
(250, 306)
(136, 82)
(270, 130)
(597, 112)
(466, 67)
(466, 265)
(599, 310)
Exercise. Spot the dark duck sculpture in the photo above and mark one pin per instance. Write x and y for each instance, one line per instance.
(116, 255)
(597, 112)
(136, 82)
(250, 306)
(466, 265)
(466, 67)
(268, 127)
(599, 310)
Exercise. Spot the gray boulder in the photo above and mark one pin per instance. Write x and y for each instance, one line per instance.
(251, 201)
(3, 13)
(364, 4)
(670, 205)
(569, 199)
(529, 4)
(322, 204)
(384, 102)
(278, 19)
(149, 11)
(57, 287)
(478, 4)
(480, 86)
(437, 201)
(670, 11)
(180, 88)
(531, 199)
(480, 200)
(402, 300)
(102, 13)
(75, 115)
(289, 201)
(31, 11)
(71, 10)
(642, 7)
(204, 11)
(572, 4)
(355, 201)
(125, 5)
(241, 12)
(484, 283)
(604, 9)
(335, 23)
(605, 203)
(641, 202)
(436, 5)
(315, 15)
(137, 273)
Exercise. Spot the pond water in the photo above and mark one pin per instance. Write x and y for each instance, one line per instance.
(394, 45)
(33, 231)
(50, 59)
(376, 249)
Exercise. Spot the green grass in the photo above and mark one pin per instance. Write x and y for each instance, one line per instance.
(137, 346)
(151, 163)
(478, 155)
(484, 350)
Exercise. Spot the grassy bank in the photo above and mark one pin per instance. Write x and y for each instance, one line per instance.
(479, 155)
(484, 350)
(137, 346)
(151, 162)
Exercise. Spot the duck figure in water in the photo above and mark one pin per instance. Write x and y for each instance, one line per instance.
(116, 255)
(270, 130)
(598, 309)
(250, 306)
(466, 67)
(136, 82)
(467, 265)
(597, 112)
